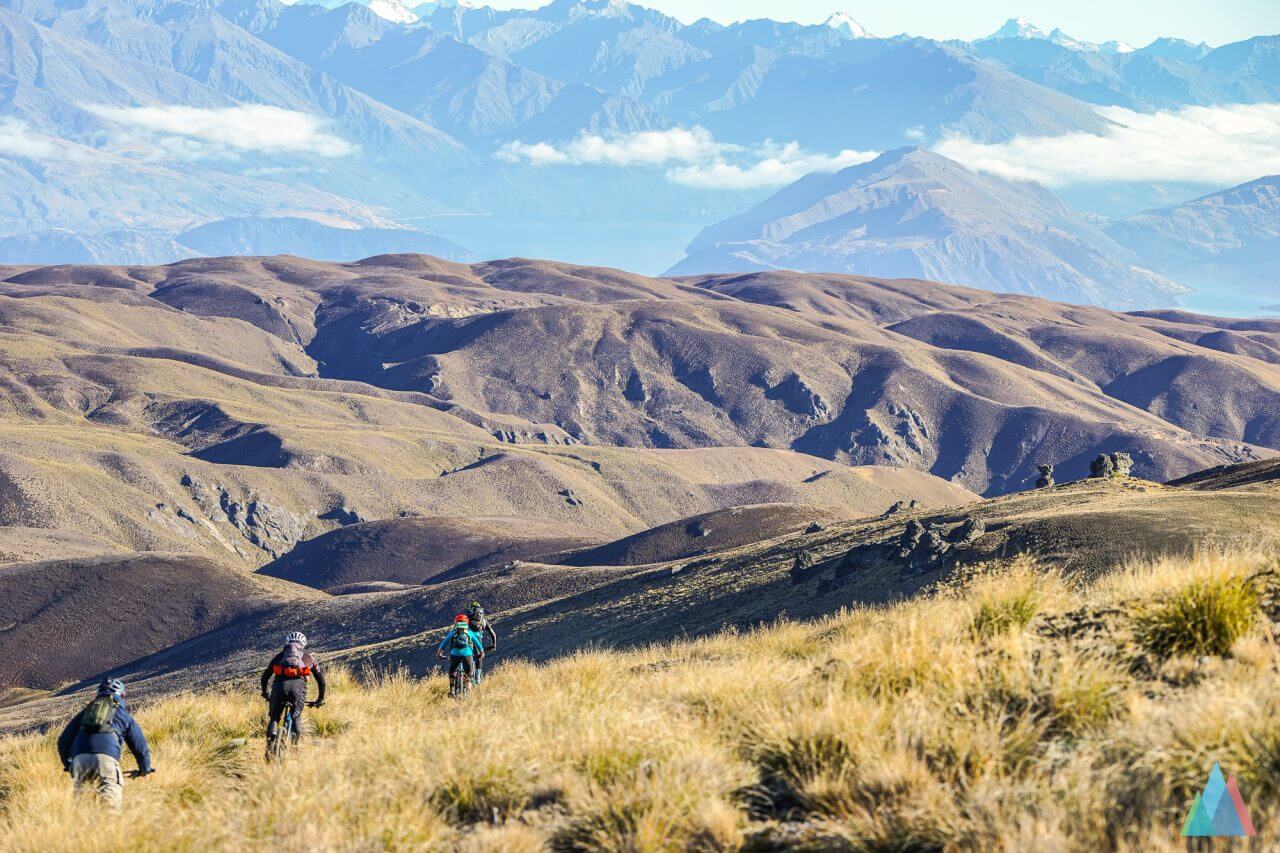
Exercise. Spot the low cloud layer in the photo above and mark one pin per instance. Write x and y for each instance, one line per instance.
(1205, 145)
(17, 140)
(192, 132)
(789, 163)
(645, 148)
(691, 156)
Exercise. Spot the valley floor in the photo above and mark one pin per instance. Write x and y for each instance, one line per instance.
(1009, 710)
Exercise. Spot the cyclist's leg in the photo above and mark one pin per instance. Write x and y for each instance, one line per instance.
(469, 666)
(296, 691)
(276, 709)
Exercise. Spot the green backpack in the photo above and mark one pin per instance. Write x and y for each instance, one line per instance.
(100, 715)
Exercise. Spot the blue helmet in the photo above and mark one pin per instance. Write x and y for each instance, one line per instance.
(111, 687)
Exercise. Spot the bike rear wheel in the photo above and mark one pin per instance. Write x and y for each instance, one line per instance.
(284, 737)
(459, 683)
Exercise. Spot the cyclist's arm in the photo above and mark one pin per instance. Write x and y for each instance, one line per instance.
(493, 635)
(319, 674)
(448, 635)
(67, 737)
(137, 742)
(266, 675)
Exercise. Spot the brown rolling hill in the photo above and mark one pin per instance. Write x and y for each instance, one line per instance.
(971, 386)
(64, 619)
(704, 534)
(414, 551)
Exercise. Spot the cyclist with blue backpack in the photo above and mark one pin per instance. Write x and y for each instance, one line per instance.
(91, 744)
(463, 646)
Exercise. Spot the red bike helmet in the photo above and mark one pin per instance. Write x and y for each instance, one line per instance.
(461, 617)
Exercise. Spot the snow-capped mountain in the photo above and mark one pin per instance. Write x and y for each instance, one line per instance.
(1061, 39)
(1166, 74)
(1016, 28)
(423, 10)
(1022, 30)
(389, 10)
(1179, 49)
(844, 24)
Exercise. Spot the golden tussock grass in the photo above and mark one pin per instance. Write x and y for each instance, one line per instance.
(949, 722)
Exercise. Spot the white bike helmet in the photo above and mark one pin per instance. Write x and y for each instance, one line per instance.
(296, 637)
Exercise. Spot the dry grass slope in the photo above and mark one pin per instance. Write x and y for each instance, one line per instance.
(1012, 711)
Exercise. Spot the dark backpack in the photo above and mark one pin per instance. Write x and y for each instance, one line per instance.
(461, 641)
(99, 715)
(293, 662)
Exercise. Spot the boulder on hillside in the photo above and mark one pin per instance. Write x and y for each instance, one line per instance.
(1046, 476)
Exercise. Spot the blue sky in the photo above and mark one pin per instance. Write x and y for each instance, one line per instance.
(1134, 21)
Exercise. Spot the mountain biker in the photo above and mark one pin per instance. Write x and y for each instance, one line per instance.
(90, 744)
(291, 667)
(463, 646)
(480, 624)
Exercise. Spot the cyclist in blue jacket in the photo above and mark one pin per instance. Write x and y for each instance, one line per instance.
(91, 743)
(463, 646)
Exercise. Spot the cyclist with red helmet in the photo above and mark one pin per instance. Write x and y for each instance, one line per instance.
(463, 646)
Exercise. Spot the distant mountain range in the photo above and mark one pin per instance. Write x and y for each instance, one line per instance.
(154, 117)
(248, 235)
(1226, 242)
(1164, 74)
(912, 213)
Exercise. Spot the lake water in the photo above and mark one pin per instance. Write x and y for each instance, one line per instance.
(647, 247)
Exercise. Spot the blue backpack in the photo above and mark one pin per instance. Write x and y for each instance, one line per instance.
(461, 641)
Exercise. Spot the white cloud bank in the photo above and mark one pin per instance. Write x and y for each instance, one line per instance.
(16, 140)
(194, 132)
(691, 156)
(1224, 145)
(784, 165)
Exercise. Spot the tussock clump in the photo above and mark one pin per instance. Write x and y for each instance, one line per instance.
(1008, 600)
(1204, 617)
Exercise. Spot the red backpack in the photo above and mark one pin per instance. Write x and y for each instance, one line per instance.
(293, 663)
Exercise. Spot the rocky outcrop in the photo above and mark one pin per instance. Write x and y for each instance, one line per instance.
(803, 566)
(1102, 468)
(269, 527)
(794, 393)
(1109, 465)
(967, 532)
(910, 539)
(1046, 477)
(900, 506)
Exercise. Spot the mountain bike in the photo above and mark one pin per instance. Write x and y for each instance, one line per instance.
(459, 683)
(286, 735)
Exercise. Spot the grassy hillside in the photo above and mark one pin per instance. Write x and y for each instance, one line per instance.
(1008, 711)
